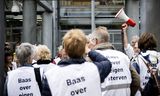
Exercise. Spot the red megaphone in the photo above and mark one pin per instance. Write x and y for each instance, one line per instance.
(121, 15)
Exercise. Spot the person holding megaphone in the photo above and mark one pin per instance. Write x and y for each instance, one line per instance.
(130, 49)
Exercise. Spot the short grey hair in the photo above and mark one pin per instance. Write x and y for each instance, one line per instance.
(101, 33)
(25, 53)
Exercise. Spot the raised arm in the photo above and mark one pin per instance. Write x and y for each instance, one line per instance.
(125, 37)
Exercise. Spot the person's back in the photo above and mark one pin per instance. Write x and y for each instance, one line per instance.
(75, 76)
(75, 79)
(119, 79)
(43, 59)
(22, 81)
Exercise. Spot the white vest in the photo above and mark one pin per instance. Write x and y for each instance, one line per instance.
(74, 80)
(44, 67)
(118, 81)
(22, 82)
(144, 73)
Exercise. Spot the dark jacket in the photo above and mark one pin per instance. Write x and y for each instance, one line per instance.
(102, 63)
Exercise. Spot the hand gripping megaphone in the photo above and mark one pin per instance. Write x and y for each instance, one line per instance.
(121, 15)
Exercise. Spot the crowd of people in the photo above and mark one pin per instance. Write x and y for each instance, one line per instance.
(86, 65)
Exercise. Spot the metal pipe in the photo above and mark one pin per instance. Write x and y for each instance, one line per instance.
(47, 29)
(2, 35)
(29, 21)
(132, 10)
(150, 18)
(58, 21)
(92, 15)
(55, 32)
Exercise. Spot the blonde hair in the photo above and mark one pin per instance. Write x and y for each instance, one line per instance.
(101, 33)
(74, 43)
(43, 52)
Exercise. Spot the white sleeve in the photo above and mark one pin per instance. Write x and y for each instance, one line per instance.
(129, 51)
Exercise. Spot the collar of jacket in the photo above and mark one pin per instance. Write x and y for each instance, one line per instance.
(103, 46)
(71, 61)
(43, 61)
(25, 65)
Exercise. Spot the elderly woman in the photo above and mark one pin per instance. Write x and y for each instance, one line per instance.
(75, 76)
(43, 57)
(22, 81)
(43, 54)
(147, 62)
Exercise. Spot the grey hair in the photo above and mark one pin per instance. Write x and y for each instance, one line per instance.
(101, 33)
(25, 53)
(135, 38)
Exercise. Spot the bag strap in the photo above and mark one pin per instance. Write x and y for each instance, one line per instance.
(38, 78)
(152, 73)
(135, 62)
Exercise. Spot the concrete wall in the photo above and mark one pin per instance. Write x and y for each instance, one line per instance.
(150, 18)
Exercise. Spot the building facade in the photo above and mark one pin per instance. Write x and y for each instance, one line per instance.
(50, 25)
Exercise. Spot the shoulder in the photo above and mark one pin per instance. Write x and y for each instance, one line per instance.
(110, 52)
(129, 47)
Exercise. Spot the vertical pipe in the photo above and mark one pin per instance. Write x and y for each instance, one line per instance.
(150, 18)
(29, 21)
(2, 35)
(47, 29)
(55, 32)
(92, 15)
(132, 10)
(58, 20)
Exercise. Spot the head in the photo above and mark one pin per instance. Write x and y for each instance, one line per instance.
(61, 53)
(147, 41)
(7, 46)
(74, 43)
(43, 52)
(25, 53)
(60, 49)
(134, 44)
(8, 56)
(135, 48)
(134, 40)
(90, 41)
(101, 35)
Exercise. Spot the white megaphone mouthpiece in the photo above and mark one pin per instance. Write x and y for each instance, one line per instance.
(121, 15)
